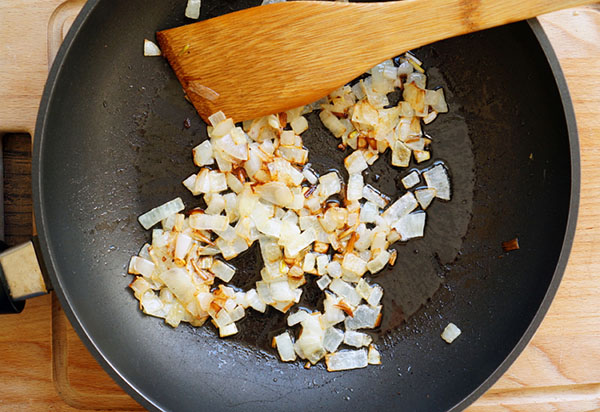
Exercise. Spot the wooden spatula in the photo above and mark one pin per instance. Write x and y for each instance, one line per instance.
(276, 57)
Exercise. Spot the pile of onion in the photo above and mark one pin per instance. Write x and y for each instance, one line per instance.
(258, 187)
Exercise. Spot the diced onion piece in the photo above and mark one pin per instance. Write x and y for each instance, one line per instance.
(299, 125)
(222, 270)
(323, 282)
(297, 317)
(401, 207)
(333, 339)
(254, 301)
(435, 99)
(411, 179)
(345, 291)
(354, 264)
(192, 10)
(355, 162)
(346, 359)
(375, 296)
(355, 187)
(421, 155)
(182, 246)
(179, 281)
(310, 175)
(373, 195)
(140, 286)
(356, 339)
(451, 332)
(201, 221)
(152, 305)
(330, 121)
(152, 217)
(425, 196)
(228, 330)
(203, 154)
(151, 49)
(411, 226)
(309, 262)
(217, 118)
(329, 184)
(334, 269)
(437, 178)
(365, 316)
(379, 262)
(141, 266)
(373, 356)
(400, 154)
(369, 212)
(285, 347)
(276, 193)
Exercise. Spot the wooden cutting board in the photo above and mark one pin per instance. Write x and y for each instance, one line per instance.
(44, 366)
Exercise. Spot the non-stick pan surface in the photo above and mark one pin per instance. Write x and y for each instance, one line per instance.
(111, 143)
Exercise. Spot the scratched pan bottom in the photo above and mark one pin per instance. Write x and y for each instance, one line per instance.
(111, 144)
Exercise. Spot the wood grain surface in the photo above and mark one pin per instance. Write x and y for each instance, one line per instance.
(45, 367)
(290, 54)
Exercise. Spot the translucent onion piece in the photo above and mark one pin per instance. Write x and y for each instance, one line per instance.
(151, 49)
(425, 196)
(400, 207)
(345, 291)
(365, 316)
(437, 178)
(411, 226)
(222, 270)
(373, 356)
(285, 347)
(346, 359)
(152, 217)
(333, 339)
(450, 333)
(411, 179)
(356, 339)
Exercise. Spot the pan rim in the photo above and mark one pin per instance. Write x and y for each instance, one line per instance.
(143, 398)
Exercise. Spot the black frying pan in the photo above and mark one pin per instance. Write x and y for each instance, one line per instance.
(110, 144)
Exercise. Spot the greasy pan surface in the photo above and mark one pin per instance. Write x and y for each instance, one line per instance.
(110, 144)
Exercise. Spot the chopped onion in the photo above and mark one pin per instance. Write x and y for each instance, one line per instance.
(329, 184)
(425, 196)
(411, 179)
(437, 178)
(192, 10)
(332, 339)
(152, 217)
(222, 270)
(450, 333)
(355, 163)
(411, 226)
(374, 358)
(365, 316)
(345, 291)
(297, 317)
(323, 282)
(400, 207)
(357, 339)
(151, 49)
(355, 187)
(285, 347)
(346, 359)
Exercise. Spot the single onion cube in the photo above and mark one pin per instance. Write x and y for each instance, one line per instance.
(354, 264)
(329, 184)
(152, 217)
(151, 49)
(356, 339)
(425, 196)
(228, 330)
(411, 179)
(323, 282)
(355, 163)
(203, 153)
(299, 125)
(192, 10)
(437, 178)
(141, 266)
(346, 359)
(333, 339)
(411, 225)
(297, 317)
(373, 356)
(365, 316)
(285, 347)
(451, 332)
(222, 270)
(345, 291)
(355, 187)
(201, 221)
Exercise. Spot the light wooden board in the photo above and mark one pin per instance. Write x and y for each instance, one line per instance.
(44, 366)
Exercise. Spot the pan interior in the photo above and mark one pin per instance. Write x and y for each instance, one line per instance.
(113, 145)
